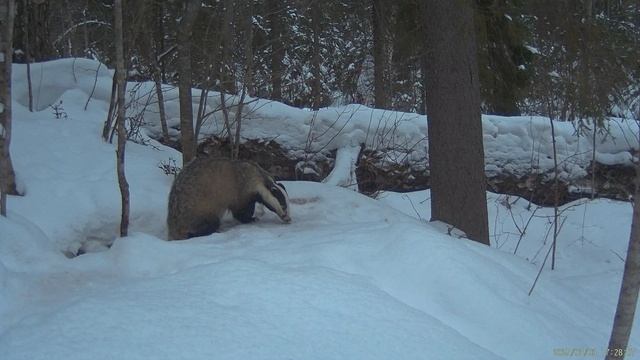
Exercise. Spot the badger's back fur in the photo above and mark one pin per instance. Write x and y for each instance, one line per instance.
(207, 187)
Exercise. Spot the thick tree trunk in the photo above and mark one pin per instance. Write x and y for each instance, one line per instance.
(628, 299)
(185, 33)
(122, 132)
(380, 23)
(276, 11)
(7, 175)
(456, 154)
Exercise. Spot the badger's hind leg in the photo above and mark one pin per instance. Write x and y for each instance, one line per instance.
(204, 226)
(245, 214)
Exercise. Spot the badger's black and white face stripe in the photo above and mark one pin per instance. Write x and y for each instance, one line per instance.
(279, 192)
(276, 200)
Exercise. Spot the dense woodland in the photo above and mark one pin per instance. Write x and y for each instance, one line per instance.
(565, 59)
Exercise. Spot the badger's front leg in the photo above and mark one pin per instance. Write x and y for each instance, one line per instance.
(245, 214)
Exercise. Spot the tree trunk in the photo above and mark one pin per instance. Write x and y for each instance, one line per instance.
(276, 11)
(185, 34)
(456, 154)
(40, 44)
(235, 145)
(248, 80)
(556, 194)
(157, 44)
(158, 40)
(316, 84)
(157, 78)
(380, 84)
(67, 50)
(227, 121)
(628, 299)
(106, 129)
(85, 32)
(27, 53)
(248, 50)
(122, 132)
(202, 109)
(227, 77)
(7, 175)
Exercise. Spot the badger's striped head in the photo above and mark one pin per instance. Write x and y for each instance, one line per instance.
(276, 200)
(279, 192)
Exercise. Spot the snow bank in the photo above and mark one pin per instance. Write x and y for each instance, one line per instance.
(239, 309)
(66, 169)
(516, 145)
(51, 79)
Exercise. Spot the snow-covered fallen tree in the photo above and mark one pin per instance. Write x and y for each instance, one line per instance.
(518, 146)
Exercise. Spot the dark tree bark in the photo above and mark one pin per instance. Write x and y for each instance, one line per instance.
(157, 78)
(227, 83)
(158, 37)
(157, 68)
(380, 54)
(628, 299)
(106, 129)
(42, 49)
(248, 80)
(227, 75)
(40, 45)
(185, 34)
(7, 175)
(248, 49)
(122, 132)
(276, 10)
(456, 154)
(27, 52)
(316, 84)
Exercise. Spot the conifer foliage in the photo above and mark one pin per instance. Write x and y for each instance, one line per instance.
(318, 53)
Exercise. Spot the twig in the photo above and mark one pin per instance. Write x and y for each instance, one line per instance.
(93, 89)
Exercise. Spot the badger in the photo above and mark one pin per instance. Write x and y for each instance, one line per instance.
(207, 187)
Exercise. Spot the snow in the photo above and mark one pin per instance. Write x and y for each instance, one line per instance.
(515, 145)
(532, 49)
(237, 308)
(344, 170)
(350, 278)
